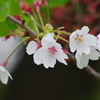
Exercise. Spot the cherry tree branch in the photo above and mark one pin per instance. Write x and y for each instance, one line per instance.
(23, 25)
(88, 69)
(92, 72)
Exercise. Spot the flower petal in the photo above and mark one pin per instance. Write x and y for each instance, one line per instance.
(84, 30)
(60, 56)
(49, 61)
(2, 69)
(90, 40)
(73, 46)
(83, 49)
(82, 61)
(94, 55)
(31, 48)
(39, 55)
(48, 41)
(4, 77)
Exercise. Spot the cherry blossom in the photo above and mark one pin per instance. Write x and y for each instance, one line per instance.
(81, 41)
(49, 52)
(83, 60)
(4, 74)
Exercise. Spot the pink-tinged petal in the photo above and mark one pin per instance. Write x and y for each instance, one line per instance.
(74, 35)
(48, 41)
(84, 30)
(31, 48)
(39, 55)
(60, 56)
(94, 55)
(90, 40)
(83, 49)
(4, 77)
(73, 46)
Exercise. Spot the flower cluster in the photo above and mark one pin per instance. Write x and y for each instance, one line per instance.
(85, 45)
(47, 51)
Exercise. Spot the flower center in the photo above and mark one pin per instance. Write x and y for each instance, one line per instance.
(79, 38)
(52, 49)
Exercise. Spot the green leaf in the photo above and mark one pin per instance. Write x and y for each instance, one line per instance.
(53, 3)
(4, 29)
(4, 4)
(4, 12)
(15, 7)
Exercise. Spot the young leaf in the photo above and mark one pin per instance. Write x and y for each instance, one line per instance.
(4, 29)
(4, 12)
(14, 7)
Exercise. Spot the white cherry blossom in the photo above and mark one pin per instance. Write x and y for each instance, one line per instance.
(81, 41)
(83, 60)
(49, 52)
(4, 74)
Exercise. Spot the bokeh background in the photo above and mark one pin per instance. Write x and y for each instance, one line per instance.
(32, 82)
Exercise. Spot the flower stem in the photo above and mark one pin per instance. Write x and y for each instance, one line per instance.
(38, 12)
(48, 14)
(63, 39)
(16, 48)
(67, 33)
(32, 18)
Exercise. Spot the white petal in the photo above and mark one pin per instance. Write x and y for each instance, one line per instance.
(94, 55)
(90, 40)
(4, 77)
(2, 69)
(58, 46)
(50, 61)
(31, 48)
(77, 56)
(82, 61)
(39, 55)
(60, 56)
(80, 66)
(73, 46)
(84, 30)
(9, 75)
(48, 41)
(83, 49)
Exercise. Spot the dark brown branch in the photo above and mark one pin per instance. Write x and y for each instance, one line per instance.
(31, 32)
(89, 69)
(92, 72)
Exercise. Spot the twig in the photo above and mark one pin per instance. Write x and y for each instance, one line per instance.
(31, 32)
(89, 69)
(92, 72)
